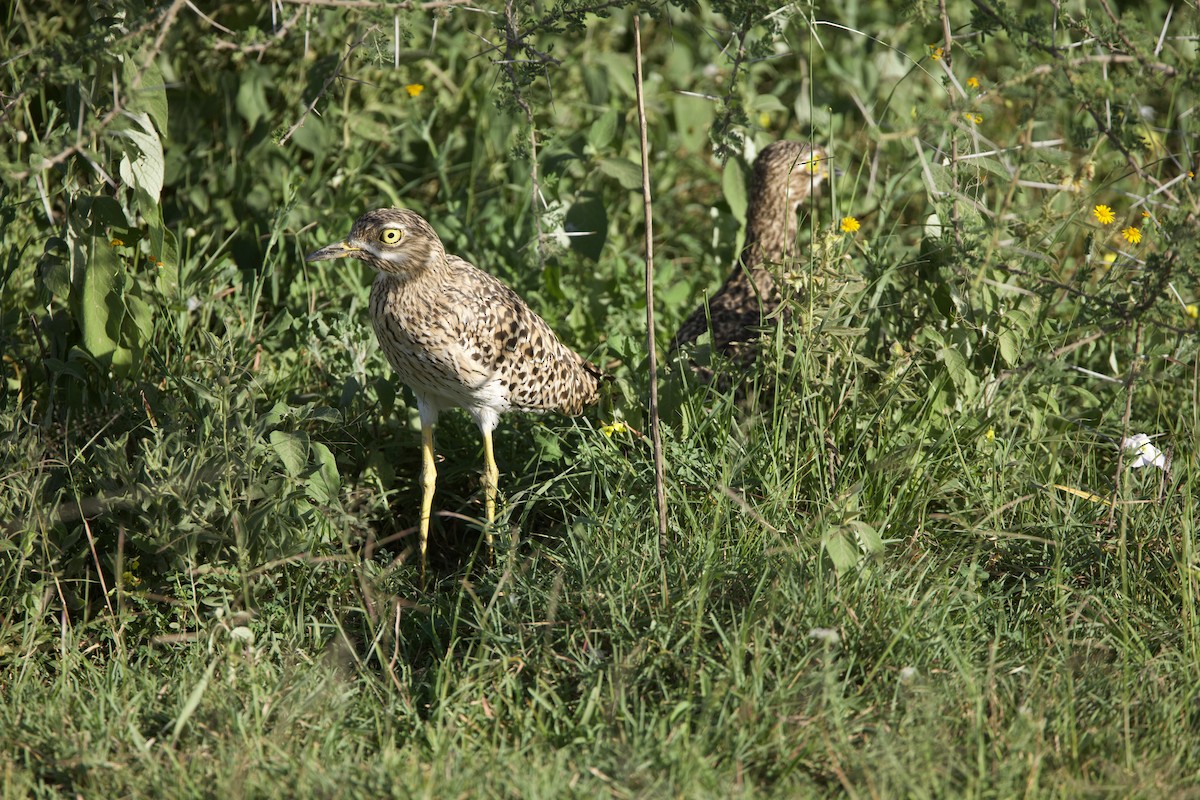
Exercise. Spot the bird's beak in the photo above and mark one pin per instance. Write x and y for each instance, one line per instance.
(339, 250)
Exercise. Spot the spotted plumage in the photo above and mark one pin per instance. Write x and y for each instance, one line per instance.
(459, 338)
(785, 175)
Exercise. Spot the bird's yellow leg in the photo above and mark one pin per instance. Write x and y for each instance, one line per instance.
(428, 481)
(491, 477)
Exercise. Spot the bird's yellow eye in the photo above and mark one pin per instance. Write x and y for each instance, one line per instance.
(391, 235)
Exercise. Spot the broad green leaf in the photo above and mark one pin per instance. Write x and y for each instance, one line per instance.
(324, 483)
(252, 94)
(956, 366)
(603, 130)
(693, 118)
(100, 308)
(142, 165)
(150, 96)
(292, 449)
(627, 173)
(868, 538)
(842, 552)
(768, 103)
(273, 417)
(733, 183)
(141, 315)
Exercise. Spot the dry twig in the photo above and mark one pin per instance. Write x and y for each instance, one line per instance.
(655, 434)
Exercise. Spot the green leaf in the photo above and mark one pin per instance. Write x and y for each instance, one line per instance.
(842, 552)
(150, 97)
(252, 94)
(627, 173)
(141, 316)
(143, 164)
(100, 308)
(733, 183)
(1009, 344)
(767, 102)
(273, 417)
(292, 449)
(868, 538)
(956, 366)
(693, 118)
(603, 130)
(324, 483)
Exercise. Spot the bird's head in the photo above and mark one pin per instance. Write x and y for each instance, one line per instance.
(793, 169)
(393, 240)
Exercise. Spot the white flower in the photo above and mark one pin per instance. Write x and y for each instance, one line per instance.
(1145, 454)
(825, 635)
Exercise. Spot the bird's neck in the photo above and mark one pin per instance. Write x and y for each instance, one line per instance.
(416, 267)
(770, 231)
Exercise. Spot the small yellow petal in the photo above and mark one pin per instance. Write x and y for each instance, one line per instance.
(1104, 215)
(616, 427)
(1132, 235)
(1192, 310)
(972, 82)
(117, 243)
(414, 89)
(850, 225)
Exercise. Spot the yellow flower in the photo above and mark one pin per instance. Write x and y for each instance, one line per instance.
(972, 82)
(976, 118)
(850, 225)
(764, 119)
(935, 52)
(1104, 214)
(616, 427)
(117, 243)
(1132, 235)
(990, 435)
(1192, 310)
(414, 89)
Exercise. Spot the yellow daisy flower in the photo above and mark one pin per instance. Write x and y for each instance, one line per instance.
(972, 82)
(1132, 235)
(1104, 215)
(414, 89)
(850, 225)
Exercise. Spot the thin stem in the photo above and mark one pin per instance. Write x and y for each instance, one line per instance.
(660, 494)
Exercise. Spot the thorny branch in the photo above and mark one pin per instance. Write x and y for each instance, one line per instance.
(514, 44)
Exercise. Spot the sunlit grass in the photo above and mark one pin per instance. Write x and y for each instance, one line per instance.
(906, 556)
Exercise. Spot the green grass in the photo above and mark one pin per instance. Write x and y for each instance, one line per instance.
(905, 558)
